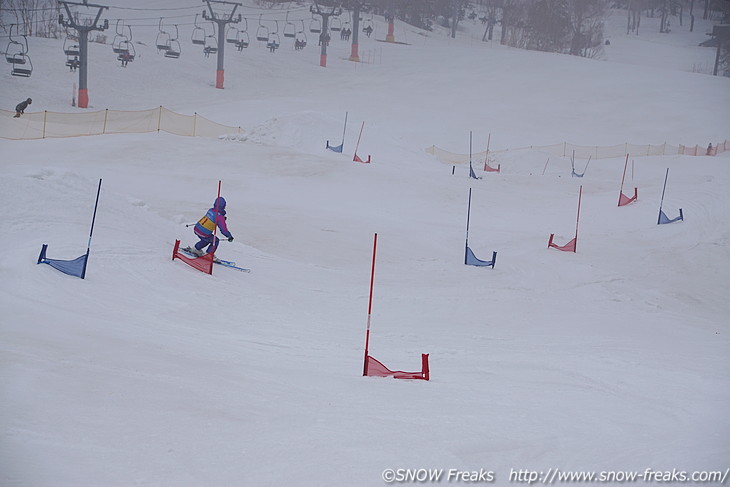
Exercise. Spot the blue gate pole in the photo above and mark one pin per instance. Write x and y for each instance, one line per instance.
(91, 232)
(661, 203)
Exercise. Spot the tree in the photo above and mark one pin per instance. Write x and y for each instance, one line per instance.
(586, 18)
(548, 24)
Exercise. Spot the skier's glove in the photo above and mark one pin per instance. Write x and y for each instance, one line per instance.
(230, 239)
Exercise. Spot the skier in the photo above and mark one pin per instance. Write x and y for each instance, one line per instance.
(20, 108)
(206, 225)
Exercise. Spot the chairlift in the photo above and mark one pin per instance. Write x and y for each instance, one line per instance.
(211, 43)
(262, 33)
(22, 65)
(367, 25)
(301, 38)
(15, 49)
(127, 52)
(163, 39)
(274, 41)
(198, 36)
(232, 35)
(173, 51)
(290, 30)
(71, 47)
(315, 26)
(119, 38)
(242, 39)
(335, 24)
(346, 23)
(14, 53)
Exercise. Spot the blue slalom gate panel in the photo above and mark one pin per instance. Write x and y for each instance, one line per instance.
(472, 174)
(663, 218)
(75, 267)
(334, 148)
(471, 259)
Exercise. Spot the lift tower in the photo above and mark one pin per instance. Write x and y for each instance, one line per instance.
(83, 29)
(222, 19)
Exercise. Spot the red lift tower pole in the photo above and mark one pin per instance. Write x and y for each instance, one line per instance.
(324, 35)
(83, 29)
(221, 19)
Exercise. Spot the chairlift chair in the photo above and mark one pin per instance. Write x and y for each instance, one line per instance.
(315, 26)
(14, 53)
(126, 48)
(117, 43)
(274, 41)
(23, 67)
(15, 50)
(243, 41)
(301, 38)
(71, 47)
(163, 41)
(262, 33)
(290, 30)
(211, 45)
(163, 38)
(232, 35)
(174, 50)
(367, 24)
(198, 36)
(335, 24)
(119, 38)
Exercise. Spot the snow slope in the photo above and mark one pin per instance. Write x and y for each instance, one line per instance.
(150, 373)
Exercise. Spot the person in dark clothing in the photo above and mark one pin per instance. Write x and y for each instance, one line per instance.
(20, 107)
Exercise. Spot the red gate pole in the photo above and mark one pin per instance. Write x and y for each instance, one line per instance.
(370, 307)
(626, 164)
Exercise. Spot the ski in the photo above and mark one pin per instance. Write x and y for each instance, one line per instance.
(230, 265)
(225, 263)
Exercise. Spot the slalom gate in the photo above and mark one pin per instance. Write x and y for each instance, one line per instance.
(74, 267)
(373, 367)
(571, 245)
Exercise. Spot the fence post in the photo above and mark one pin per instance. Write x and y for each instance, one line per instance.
(45, 116)
(565, 146)
(106, 114)
(159, 120)
(195, 123)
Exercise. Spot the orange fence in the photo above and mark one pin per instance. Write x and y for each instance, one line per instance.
(595, 152)
(41, 125)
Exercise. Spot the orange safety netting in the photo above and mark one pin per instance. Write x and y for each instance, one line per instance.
(41, 125)
(596, 152)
